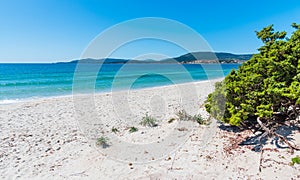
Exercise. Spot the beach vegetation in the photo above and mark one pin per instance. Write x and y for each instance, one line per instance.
(184, 116)
(199, 119)
(171, 120)
(148, 121)
(133, 129)
(114, 130)
(265, 91)
(102, 141)
(295, 160)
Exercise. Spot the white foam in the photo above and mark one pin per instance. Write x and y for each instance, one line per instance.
(9, 101)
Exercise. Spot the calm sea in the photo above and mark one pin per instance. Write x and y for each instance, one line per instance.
(27, 81)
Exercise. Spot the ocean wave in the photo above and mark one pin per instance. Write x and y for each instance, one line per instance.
(9, 101)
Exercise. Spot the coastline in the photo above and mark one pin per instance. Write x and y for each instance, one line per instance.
(24, 100)
(41, 139)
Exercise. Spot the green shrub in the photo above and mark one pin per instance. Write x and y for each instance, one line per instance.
(133, 129)
(102, 141)
(171, 120)
(148, 121)
(295, 160)
(183, 115)
(114, 130)
(266, 86)
(199, 119)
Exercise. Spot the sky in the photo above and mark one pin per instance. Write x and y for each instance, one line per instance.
(60, 30)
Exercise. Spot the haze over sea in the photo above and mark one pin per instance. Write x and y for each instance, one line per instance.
(28, 81)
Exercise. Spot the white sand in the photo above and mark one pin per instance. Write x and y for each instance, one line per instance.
(55, 138)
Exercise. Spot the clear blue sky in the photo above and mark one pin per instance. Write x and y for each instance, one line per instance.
(59, 30)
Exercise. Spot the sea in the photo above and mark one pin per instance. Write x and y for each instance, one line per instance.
(19, 82)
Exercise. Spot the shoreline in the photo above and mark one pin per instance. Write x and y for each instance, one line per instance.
(32, 99)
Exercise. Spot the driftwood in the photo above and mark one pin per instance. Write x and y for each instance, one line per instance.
(271, 133)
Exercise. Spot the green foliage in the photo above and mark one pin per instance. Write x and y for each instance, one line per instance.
(102, 141)
(148, 121)
(133, 129)
(263, 86)
(199, 119)
(171, 120)
(114, 130)
(295, 160)
(184, 116)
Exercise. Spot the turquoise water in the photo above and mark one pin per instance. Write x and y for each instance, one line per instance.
(26, 81)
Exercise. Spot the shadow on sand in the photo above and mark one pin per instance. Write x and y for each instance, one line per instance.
(254, 140)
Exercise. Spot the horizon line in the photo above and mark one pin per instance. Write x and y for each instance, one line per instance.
(74, 59)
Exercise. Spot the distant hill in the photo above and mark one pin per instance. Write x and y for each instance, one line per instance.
(195, 57)
(110, 61)
(106, 61)
(210, 56)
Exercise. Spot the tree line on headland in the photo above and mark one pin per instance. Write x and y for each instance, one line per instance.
(189, 58)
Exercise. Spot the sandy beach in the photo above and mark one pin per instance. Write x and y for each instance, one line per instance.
(55, 138)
